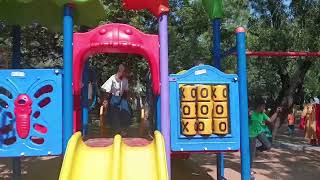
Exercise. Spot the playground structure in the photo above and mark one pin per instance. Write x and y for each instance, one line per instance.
(117, 161)
(200, 110)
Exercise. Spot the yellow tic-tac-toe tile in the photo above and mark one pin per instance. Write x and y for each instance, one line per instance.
(204, 126)
(204, 109)
(220, 93)
(204, 93)
(188, 127)
(188, 93)
(220, 126)
(220, 109)
(188, 110)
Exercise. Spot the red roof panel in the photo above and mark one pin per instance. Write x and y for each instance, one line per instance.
(156, 7)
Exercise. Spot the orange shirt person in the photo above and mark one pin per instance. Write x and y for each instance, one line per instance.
(291, 122)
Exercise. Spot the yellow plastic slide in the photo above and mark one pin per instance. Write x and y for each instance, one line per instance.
(115, 162)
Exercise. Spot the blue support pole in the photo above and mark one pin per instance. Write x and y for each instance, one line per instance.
(158, 113)
(94, 91)
(67, 80)
(243, 94)
(16, 45)
(16, 62)
(216, 27)
(16, 164)
(85, 106)
(220, 166)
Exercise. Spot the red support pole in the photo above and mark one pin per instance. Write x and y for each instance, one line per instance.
(282, 54)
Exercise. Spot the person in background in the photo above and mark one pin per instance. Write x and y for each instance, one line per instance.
(257, 120)
(118, 114)
(149, 116)
(309, 117)
(291, 122)
(102, 114)
(266, 129)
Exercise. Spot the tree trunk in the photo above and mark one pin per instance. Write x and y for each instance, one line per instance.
(289, 92)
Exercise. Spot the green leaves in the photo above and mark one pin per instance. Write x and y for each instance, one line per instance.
(273, 25)
(280, 26)
(214, 8)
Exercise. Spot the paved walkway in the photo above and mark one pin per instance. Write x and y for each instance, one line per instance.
(296, 142)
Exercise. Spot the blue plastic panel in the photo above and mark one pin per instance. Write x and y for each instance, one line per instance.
(44, 88)
(206, 75)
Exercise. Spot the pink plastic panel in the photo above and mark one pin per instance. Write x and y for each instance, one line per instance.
(112, 38)
(22, 111)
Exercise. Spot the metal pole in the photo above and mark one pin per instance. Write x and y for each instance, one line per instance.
(67, 70)
(158, 114)
(220, 166)
(16, 45)
(243, 94)
(16, 168)
(229, 52)
(164, 76)
(85, 108)
(283, 54)
(216, 26)
(16, 62)
(94, 90)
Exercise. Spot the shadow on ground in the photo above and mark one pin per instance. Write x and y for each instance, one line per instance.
(49, 168)
(277, 164)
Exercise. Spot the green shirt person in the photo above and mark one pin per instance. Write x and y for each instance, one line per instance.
(257, 127)
(257, 123)
(258, 120)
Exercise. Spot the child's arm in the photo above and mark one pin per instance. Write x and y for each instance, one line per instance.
(101, 117)
(102, 111)
(275, 115)
(106, 87)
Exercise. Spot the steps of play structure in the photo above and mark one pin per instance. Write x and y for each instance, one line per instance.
(117, 159)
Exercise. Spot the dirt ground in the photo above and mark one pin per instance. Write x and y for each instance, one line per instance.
(277, 164)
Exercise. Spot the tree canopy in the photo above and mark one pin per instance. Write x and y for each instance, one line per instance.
(272, 25)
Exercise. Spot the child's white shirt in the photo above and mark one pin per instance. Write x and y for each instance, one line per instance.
(114, 86)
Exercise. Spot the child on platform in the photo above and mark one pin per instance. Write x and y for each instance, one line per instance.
(118, 113)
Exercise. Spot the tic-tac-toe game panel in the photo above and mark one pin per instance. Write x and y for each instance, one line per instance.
(204, 110)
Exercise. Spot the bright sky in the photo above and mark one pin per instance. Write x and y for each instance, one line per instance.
(287, 2)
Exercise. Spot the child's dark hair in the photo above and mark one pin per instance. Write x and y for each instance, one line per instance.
(259, 102)
(290, 110)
